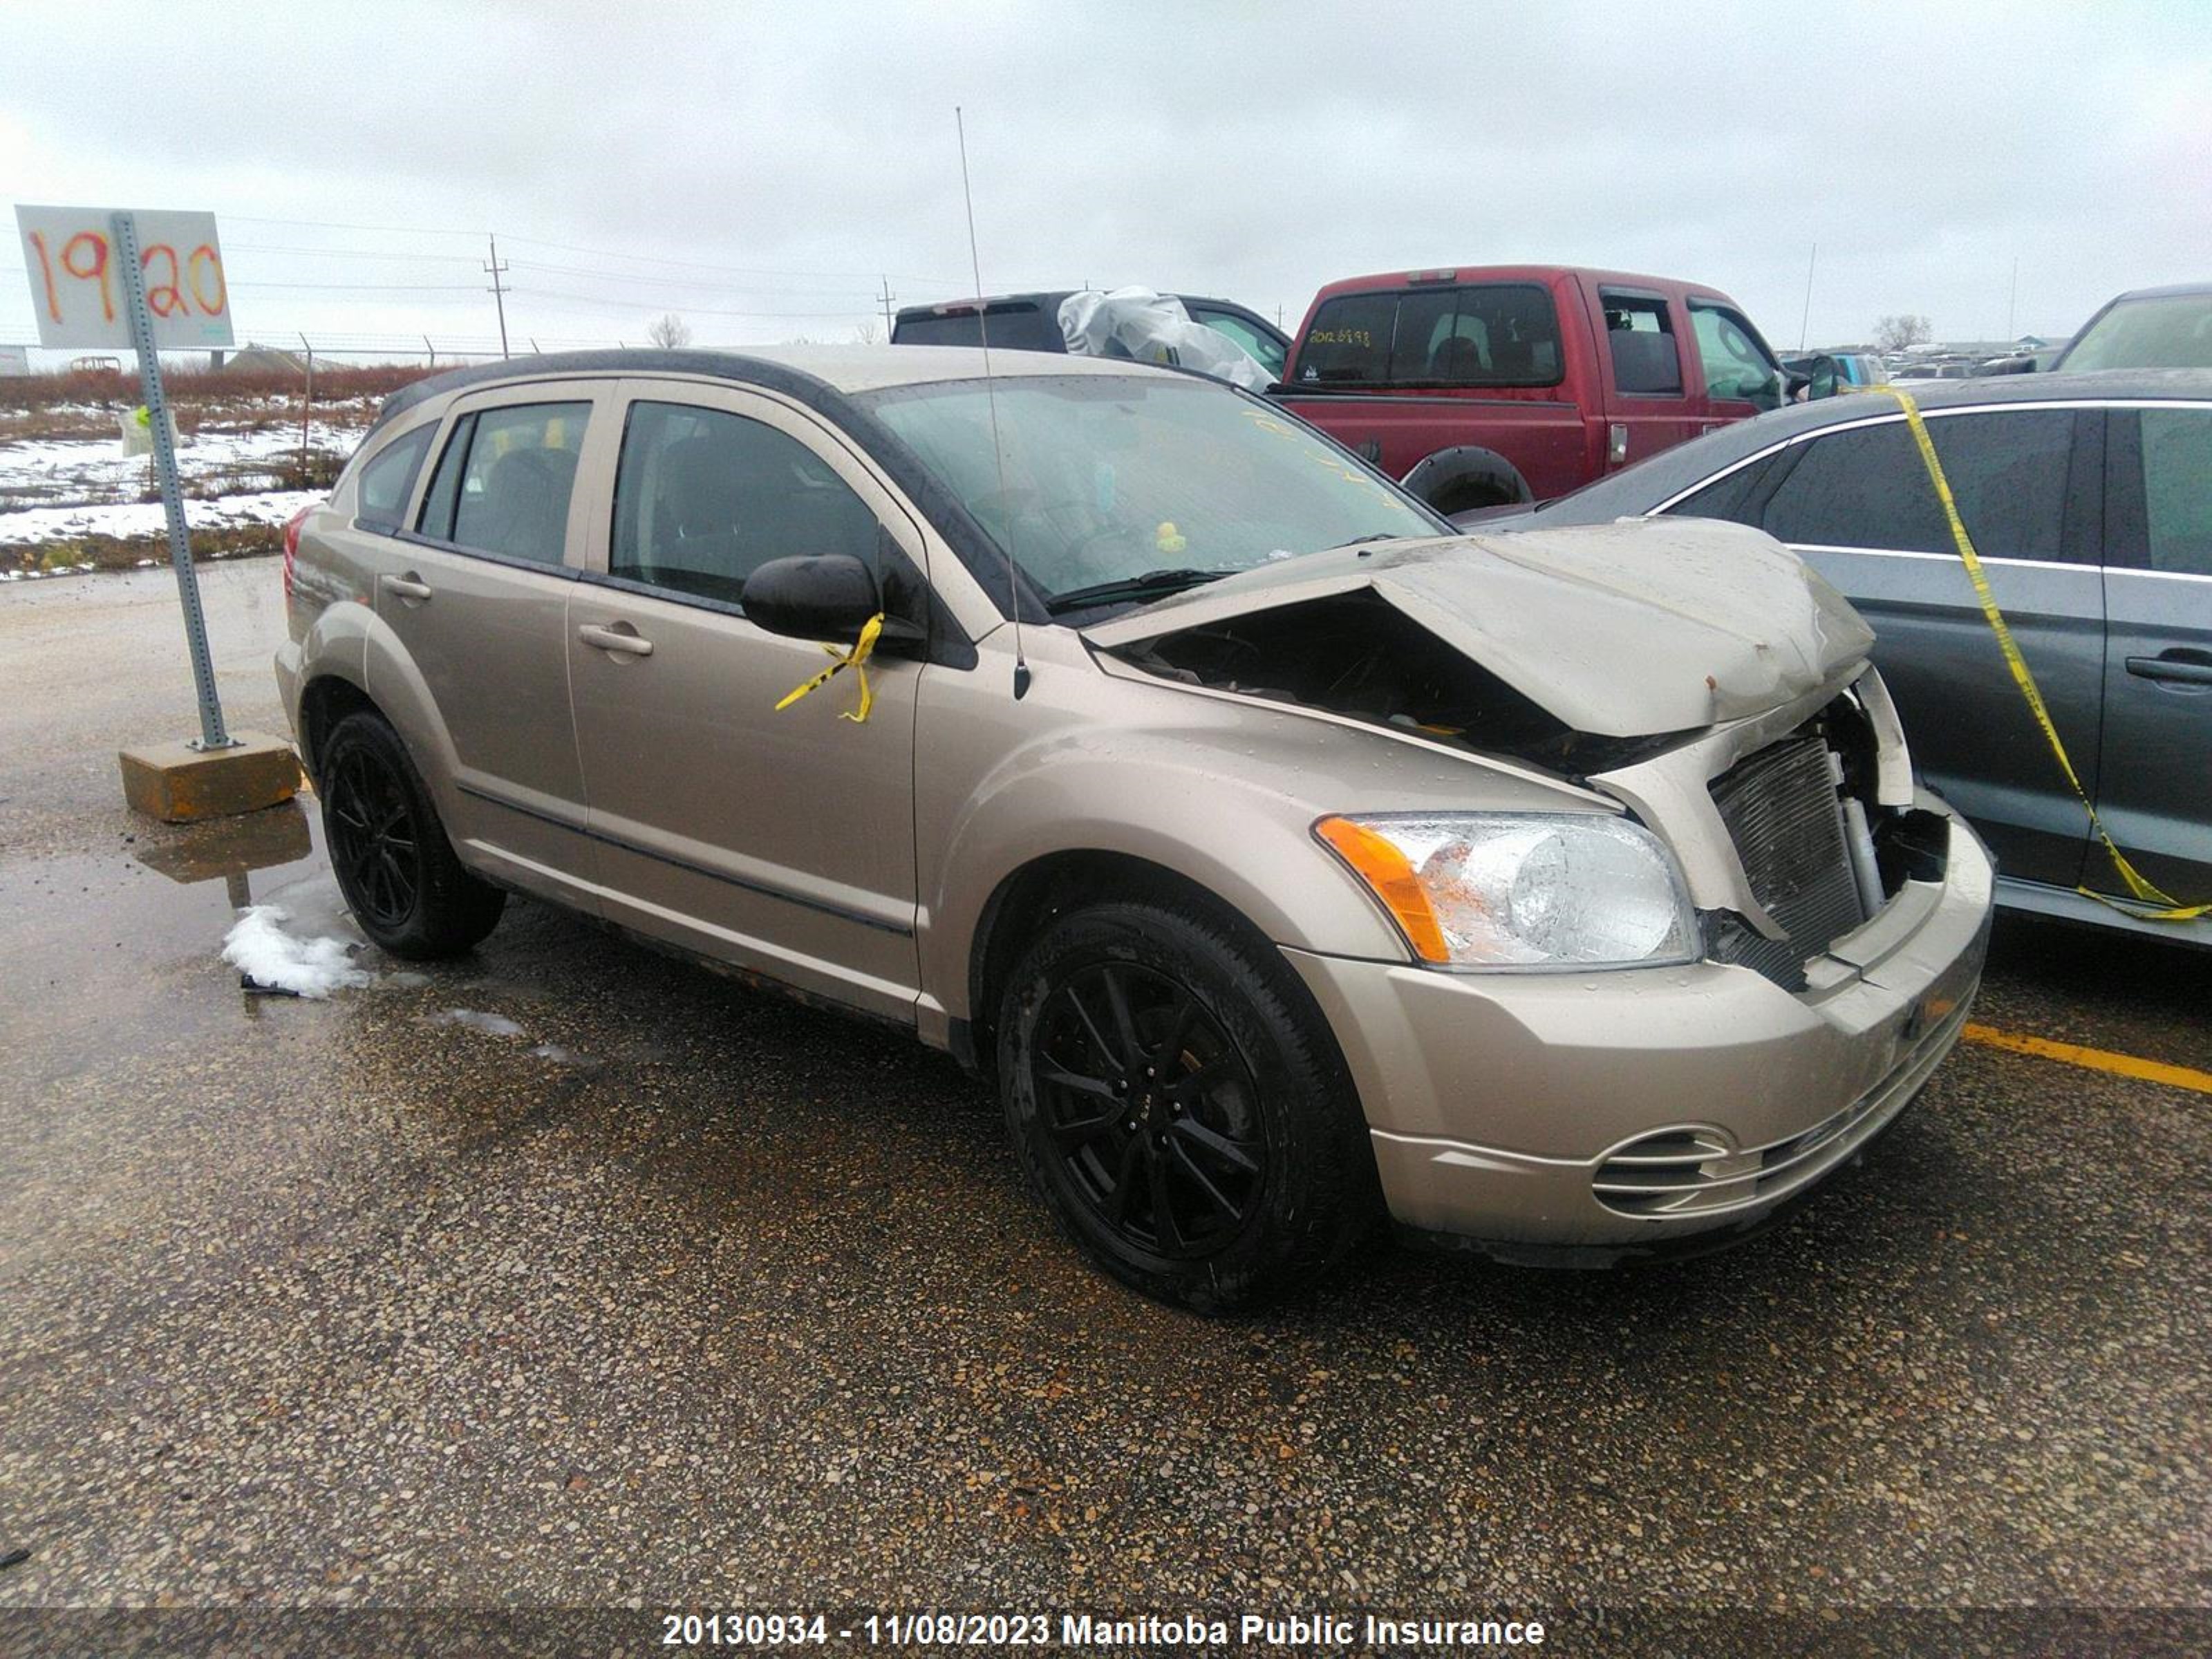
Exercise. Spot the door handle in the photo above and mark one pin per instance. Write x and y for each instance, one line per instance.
(2182, 667)
(408, 587)
(621, 639)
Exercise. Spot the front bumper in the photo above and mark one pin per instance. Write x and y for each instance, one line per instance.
(1618, 1112)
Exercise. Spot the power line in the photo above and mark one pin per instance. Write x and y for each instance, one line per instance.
(689, 283)
(600, 303)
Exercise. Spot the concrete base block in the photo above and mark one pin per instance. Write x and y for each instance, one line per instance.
(179, 784)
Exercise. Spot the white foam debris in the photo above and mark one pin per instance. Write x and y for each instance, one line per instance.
(477, 1020)
(259, 948)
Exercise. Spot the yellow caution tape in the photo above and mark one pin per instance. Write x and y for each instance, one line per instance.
(2147, 891)
(857, 661)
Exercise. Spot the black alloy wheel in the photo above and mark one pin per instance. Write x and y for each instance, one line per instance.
(399, 874)
(374, 843)
(1151, 1110)
(1179, 1103)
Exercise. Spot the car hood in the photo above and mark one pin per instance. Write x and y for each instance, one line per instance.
(1617, 630)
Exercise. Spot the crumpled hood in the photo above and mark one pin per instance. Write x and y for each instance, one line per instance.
(1617, 630)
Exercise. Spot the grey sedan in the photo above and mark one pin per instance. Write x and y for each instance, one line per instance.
(2089, 499)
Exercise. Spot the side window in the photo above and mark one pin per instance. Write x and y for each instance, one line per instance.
(703, 498)
(387, 481)
(1737, 367)
(503, 484)
(2177, 463)
(1868, 487)
(1264, 350)
(1639, 331)
(1349, 343)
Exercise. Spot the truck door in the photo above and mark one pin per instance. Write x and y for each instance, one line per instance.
(1741, 376)
(1648, 404)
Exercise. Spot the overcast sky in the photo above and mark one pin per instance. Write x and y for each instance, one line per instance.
(757, 168)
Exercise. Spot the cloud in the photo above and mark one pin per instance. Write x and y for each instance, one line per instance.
(1251, 151)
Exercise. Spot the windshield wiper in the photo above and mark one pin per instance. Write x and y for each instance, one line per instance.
(1149, 584)
(1378, 536)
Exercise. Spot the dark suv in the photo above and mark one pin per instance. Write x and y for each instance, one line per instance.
(1031, 322)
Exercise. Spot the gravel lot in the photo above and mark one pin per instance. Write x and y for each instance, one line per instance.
(652, 1290)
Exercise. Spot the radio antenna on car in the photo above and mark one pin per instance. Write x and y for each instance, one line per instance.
(991, 402)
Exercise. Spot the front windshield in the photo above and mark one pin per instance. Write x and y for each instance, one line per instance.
(1114, 478)
(2172, 331)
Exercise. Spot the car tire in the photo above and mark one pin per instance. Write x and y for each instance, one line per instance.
(1176, 1100)
(406, 888)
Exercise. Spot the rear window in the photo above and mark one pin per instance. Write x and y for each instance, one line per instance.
(1488, 334)
(387, 481)
(2167, 331)
(1013, 328)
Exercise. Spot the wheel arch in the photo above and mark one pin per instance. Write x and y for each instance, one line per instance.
(1466, 476)
(1029, 897)
(324, 701)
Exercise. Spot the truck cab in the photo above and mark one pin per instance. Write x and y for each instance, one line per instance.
(1489, 385)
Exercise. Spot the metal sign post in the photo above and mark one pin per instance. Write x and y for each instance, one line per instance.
(124, 229)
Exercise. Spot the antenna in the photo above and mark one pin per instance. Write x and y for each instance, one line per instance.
(991, 402)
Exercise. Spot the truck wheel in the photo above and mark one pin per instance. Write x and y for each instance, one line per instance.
(1178, 1104)
(394, 865)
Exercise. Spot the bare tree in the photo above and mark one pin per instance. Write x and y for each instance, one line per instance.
(866, 333)
(1895, 333)
(670, 332)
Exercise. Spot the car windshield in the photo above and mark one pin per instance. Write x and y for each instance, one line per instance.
(2171, 331)
(1110, 479)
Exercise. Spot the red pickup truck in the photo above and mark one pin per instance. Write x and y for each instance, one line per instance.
(1496, 384)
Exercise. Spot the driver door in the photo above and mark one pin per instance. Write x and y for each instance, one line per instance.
(1742, 378)
(779, 842)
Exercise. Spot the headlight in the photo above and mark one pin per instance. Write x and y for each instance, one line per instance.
(1522, 889)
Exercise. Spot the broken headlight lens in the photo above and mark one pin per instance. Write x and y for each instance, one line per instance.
(1522, 889)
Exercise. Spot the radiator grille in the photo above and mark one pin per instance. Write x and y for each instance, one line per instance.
(1783, 814)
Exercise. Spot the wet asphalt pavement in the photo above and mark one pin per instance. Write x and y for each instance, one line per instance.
(650, 1289)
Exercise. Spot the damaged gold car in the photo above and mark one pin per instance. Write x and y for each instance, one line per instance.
(1285, 858)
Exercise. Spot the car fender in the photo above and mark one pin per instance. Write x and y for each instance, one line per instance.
(1191, 782)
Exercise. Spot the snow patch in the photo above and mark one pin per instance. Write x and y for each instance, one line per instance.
(477, 1020)
(259, 948)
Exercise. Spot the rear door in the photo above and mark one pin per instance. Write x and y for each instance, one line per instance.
(477, 593)
(2154, 791)
(779, 841)
(1649, 404)
(1858, 503)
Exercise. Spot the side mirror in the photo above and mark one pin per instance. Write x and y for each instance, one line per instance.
(828, 596)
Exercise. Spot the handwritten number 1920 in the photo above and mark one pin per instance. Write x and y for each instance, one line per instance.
(194, 281)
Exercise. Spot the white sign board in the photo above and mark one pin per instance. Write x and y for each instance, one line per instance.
(14, 360)
(76, 289)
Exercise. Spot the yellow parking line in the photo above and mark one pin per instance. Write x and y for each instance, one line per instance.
(2096, 1060)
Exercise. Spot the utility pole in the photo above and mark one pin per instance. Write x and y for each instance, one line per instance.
(889, 298)
(498, 293)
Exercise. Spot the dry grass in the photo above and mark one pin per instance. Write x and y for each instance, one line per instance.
(70, 553)
(86, 405)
